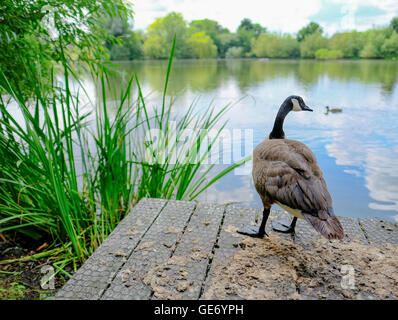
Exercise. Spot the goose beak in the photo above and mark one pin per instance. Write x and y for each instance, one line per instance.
(306, 108)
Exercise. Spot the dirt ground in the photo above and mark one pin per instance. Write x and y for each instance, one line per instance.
(274, 268)
(21, 280)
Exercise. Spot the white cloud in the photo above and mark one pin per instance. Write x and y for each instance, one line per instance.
(282, 15)
(380, 163)
(242, 193)
(350, 18)
(382, 178)
(384, 5)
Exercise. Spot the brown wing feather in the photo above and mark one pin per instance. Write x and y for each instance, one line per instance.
(287, 171)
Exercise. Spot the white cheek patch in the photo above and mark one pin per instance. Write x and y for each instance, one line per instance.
(296, 105)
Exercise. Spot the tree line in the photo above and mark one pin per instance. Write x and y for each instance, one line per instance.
(34, 35)
(206, 38)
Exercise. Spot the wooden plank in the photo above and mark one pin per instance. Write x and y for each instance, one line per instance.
(306, 234)
(228, 243)
(379, 231)
(94, 276)
(154, 249)
(352, 230)
(172, 249)
(184, 276)
(231, 243)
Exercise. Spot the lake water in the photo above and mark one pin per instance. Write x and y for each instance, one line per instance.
(357, 148)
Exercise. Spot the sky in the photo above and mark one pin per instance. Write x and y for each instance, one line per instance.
(286, 16)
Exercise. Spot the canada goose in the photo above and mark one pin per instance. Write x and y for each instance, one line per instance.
(333, 110)
(286, 172)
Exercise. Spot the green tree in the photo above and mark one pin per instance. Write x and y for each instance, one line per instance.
(369, 51)
(201, 46)
(309, 29)
(326, 54)
(394, 24)
(155, 47)
(128, 44)
(119, 52)
(117, 27)
(129, 47)
(374, 39)
(349, 43)
(210, 27)
(36, 34)
(234, 53)
(255, 27)
(227, 40)
(390, 46)
(248, 31)
(275, 46)
(160, 36)
(135, 42)
(311, 44)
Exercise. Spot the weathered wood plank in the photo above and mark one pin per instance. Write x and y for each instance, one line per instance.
(352, 230)
(380, 231)
(94, 276)
(170, 249)
(154, 249)
(228, 241)
(184, 278)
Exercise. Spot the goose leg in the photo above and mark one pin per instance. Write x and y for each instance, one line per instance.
(284, 226)
(255, 231)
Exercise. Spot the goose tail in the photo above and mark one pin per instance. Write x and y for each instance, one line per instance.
(330, 227)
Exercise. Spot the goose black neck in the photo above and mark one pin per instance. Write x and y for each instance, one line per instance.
(277, 131)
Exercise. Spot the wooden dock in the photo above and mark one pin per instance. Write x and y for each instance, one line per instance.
(168, 249)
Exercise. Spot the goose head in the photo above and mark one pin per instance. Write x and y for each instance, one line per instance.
(291, 103)
(296, 103)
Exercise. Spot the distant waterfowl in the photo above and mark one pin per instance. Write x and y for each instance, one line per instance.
(333, 110)
(286, 172)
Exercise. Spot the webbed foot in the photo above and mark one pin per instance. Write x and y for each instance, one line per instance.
(252, 231)
(284, 226)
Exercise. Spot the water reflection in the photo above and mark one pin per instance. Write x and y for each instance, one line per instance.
(370, 148)
(357, 149)
(207, 75)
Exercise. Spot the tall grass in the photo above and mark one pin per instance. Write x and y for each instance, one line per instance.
(71, 176)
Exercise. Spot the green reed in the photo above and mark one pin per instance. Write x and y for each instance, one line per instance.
(70, 176)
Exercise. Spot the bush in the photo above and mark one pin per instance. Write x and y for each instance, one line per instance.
(375, 38)
(234, 52)
(326, 54)
(160, 35)
(390, 46)
(201, 46)
(349, 43)
(119, 53)
(225, 41)
(311, 44)
(275, 46)
(155, 48)
(369, 51)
